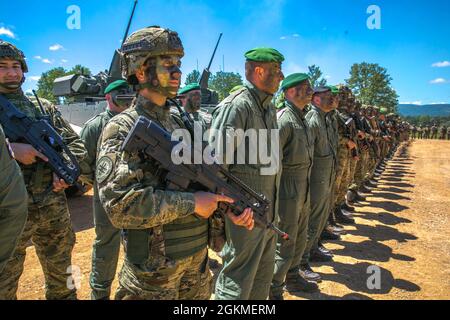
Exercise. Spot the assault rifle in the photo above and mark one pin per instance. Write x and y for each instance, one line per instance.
(349, 126)
(41, 135)
(153, 141)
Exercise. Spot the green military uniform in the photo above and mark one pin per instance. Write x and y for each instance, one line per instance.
(297, 148)
(48, 225)
(322, 175)
(248, 256)
(13, 202)
(106, 247)
(164, 241)
(448, 133)
(200, 117)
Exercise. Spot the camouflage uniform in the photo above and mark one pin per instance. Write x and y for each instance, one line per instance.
(106, 247)
(134, 193)
(322, 175)
(248, 256)
(48, 226)
(297, 147)
(448, 133)
(13, 202)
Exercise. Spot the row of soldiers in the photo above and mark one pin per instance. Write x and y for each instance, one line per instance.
(430, 132)
(332, 149)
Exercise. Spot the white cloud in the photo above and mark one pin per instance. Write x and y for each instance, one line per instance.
(327, 77)
(283, 38)
(296, 35)
(414, 102)
(38, 57)
(34, 78)
(56, 47)
(441, 64)
(64, 60)
(7, 32)
(438, 102)
(46, 61)
(438, 80)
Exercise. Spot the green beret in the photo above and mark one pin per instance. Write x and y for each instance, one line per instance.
(264, 55)
(189, 87)
(334, 89)
(236, 88)
(116, 85)
(293, 79)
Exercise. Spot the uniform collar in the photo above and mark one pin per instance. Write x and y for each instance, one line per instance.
(264, 98)
(150, 109)
(320, 111)
(14, 95)
(297, 111)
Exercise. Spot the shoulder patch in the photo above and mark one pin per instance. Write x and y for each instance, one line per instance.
(104, 168)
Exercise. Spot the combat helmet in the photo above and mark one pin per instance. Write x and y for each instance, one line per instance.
(146, 43)
(8, 50)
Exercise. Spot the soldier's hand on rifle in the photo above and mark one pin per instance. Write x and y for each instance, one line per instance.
(351, 145)
(26, 154)
(59, 184)
(245, 219)
(206, 203)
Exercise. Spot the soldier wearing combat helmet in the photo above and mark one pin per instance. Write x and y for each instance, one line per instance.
(165, 231)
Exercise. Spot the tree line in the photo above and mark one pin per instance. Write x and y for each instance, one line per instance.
(370, 82)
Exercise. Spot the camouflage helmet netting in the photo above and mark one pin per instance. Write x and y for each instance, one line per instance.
(145, 43)
(8, 50)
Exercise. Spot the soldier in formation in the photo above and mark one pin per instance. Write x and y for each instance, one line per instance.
(48, 223)
(330, 153)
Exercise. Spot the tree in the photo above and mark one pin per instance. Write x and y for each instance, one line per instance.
(45, 83)
(223, 82)
(315, 75)
(193, 76)
(79, 69)
(371, 84)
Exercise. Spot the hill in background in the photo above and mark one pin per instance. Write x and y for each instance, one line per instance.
(433, 110)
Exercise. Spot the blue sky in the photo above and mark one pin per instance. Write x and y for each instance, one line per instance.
(414, 36)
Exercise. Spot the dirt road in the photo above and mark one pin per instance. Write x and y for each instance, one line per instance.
(398, 249)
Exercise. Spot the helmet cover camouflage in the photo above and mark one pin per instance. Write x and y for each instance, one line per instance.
(8, 50)
(146, 43)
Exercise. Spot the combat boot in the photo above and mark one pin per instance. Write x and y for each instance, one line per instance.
(275, 296)
(342, 218)
(296, 282)
(345, 206)
(351, 196)
(318, 256)
(336, 229)
(327, 234)
(308, 274)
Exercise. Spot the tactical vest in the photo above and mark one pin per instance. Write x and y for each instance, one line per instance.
(177, 240)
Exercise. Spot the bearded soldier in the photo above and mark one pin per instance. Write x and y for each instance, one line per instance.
(191, 98)
(165, 231)
(48, 225)
(248, 256)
